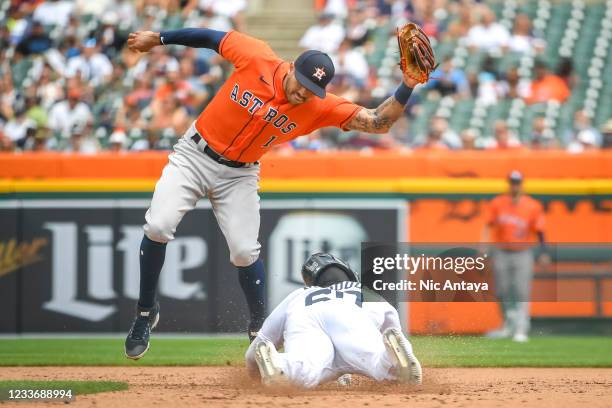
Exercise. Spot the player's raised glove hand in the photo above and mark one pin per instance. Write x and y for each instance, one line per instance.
(417, 59)
(143, 41)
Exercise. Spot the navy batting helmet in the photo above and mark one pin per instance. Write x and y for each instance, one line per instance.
(317, 263)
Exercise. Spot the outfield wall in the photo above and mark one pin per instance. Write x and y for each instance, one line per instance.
(439, 196)
(548, 164)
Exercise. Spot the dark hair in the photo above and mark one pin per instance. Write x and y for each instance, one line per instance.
(488, 65)
(565, 67)
(540, 63)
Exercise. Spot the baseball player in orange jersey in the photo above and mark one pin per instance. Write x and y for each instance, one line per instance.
(264, 102)
(515, 220)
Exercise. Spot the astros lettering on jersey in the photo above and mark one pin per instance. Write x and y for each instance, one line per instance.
(251, 113)
(515, 222)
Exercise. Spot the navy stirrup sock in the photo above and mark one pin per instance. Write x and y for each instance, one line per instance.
(252, 282)
(152, 255)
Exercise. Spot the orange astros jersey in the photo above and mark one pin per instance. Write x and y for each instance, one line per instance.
(250, 113)
(515, 222)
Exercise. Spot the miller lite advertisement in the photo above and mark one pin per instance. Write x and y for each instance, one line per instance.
(73, 265)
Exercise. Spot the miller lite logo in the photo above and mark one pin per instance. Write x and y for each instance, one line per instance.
(93, 299)
(319, 73)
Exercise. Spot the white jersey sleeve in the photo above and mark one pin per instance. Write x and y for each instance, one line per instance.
(382, 314)
(274, 325)
(273, 328)
(391, 318)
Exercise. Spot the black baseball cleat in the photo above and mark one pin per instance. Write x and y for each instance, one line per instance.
(137, 340)
(254, 327)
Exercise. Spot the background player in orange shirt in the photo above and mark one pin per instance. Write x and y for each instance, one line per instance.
(264, 102)
(514, 220)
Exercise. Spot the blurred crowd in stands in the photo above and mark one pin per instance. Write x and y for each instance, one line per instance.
(67, 82)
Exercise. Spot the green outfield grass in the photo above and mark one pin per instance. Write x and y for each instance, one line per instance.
(76, 387)
(459, 351)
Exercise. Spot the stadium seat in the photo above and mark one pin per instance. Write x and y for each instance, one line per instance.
(571, 29)
(20, 70)
(507, 61)
(420, 124)
(461, 114)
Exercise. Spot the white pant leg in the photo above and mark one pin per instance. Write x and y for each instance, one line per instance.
(358, 343)
(235, 203)
(308, 358)
(176, 192)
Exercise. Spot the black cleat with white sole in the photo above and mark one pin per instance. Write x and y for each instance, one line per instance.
(137, 341)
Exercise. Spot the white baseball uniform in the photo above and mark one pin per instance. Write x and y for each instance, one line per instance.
(327, 332)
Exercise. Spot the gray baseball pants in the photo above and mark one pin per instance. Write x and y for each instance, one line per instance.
(190, 175)
(513, 271)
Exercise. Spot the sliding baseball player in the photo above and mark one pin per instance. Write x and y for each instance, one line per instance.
(328, 331)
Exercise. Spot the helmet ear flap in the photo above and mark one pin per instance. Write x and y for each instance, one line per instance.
(307, 278)
(310, 270)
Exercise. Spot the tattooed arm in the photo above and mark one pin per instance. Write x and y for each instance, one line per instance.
(381, 119)
(377, 120)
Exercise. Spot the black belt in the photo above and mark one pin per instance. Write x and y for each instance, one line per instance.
(216, 156)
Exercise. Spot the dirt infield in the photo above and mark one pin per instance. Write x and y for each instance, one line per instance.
(230, 387)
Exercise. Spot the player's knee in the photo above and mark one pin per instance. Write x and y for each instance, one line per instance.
(244, 255)
(306, 375)
(158, 231)
(313, 378)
